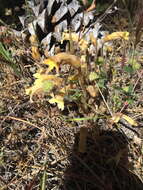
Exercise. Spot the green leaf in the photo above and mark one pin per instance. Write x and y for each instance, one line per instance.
(43, 181)
(128, 89)
(100, 60)
(74, 94)
(47, 86)
(5, 53)
(130, 101)
(128, 69)
(101, 7)
(101, 83)
(93, 76)
(136, 66)
(82, 119)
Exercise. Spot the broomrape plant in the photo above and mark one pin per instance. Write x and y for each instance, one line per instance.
(67, 75)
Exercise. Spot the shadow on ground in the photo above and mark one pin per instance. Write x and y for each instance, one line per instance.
(105, 165)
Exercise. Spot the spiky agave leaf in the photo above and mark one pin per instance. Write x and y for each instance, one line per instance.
(54, 17)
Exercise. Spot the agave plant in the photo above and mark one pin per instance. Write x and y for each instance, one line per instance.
(53, 17)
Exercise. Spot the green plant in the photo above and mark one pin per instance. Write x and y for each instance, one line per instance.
(6, 58)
